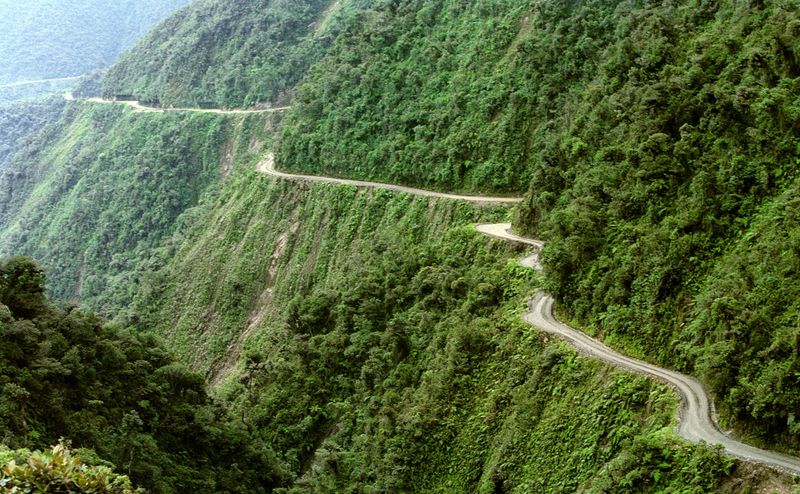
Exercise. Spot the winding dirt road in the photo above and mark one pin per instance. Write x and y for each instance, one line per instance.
(267, 166)
(697, 418)
(39, 81)
(151, 109)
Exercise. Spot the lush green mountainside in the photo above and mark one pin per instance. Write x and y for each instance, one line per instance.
(45, 39)
(96, 192)
(368, 338)
(374, 340)
(673, 174)
(654, 140)
(64, 373)
(236, 53)
(447, 94)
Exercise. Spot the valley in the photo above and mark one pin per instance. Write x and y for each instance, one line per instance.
(420, 246)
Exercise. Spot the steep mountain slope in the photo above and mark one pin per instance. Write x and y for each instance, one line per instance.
(64, 373)
(95, 193)
(377, 345)
(674, 177)
(21, 121)
(654, 140)
(372, 339)
(226, 54)
(44, 39)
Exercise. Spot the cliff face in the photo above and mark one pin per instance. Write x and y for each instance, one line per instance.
(371, 340)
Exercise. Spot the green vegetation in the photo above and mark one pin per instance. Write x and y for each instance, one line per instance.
(59, 470)
(440, 94)
(225, 54)
(21, 121)
(666, 195)
(96, 192)
(377, 346)
(64, 373)
(42, 39)
(36, 89)
(367, 341)
(656, 140)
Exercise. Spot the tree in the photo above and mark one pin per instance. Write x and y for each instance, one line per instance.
(21, 285)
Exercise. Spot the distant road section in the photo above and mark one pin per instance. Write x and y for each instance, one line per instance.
(267, 166)
(40, 81)
(139, 107)
(697, 418)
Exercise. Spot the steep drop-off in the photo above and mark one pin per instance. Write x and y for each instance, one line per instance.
(377, 343)
(95, 193)
(657, 142)
(373, 339)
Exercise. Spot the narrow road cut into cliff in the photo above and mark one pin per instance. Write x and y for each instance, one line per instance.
(139, 107)
(697, 421)
(267, 166)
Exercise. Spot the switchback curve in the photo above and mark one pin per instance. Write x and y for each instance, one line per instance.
(697, 418)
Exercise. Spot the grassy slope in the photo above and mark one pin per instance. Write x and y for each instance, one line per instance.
(95, 193)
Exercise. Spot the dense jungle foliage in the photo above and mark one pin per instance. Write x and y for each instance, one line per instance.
(377, 346)
(668, 198)
(43, 39)
(372, 340)
(65, 373)
(93, 194)
(59, 470)
(440, 94)
(226, 54)
(21, 121)
(658, 141)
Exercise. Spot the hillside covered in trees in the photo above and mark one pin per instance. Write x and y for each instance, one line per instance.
(362, 340)
(227, 54)
(66, 198)
(65, 373)
(657, 143)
